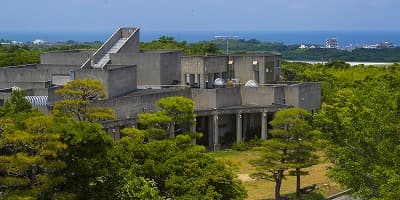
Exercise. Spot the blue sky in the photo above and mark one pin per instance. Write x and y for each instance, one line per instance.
(199, 15)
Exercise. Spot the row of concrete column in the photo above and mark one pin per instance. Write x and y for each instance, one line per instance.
(240, 126)
(213, 129)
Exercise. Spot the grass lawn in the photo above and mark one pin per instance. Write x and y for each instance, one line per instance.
(263, 189)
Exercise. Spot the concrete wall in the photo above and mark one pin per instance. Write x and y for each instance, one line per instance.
(132, 44)
(170, 67)
(140, 101)
(258, 96)
(204, 98)
(117, 81)
(216, 98)
(73, 57)
(148, 66)
(305, 95)
(121, 80)
(40, 92)
(215, 64)
(23, 75)
(205, 66)
(153, 68)
(227, 97)
(243, 66)
(24, 85)
(192, 65)
(32, 76)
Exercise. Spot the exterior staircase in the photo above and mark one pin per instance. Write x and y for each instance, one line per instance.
(114, 49)
(116, 43)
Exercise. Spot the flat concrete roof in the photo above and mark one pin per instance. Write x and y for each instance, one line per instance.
(140, 92)
(241, 109)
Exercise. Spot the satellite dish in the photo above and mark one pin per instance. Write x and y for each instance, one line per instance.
(219, 81)
(251, 83)
(15, 88)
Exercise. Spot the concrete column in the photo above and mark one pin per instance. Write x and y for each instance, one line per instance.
(264, 131)
(202, 81)
(239, 136)
(244, 116)
(114, 132)
(210, 132)
(216, 145)
(171, 131)
(193, 130)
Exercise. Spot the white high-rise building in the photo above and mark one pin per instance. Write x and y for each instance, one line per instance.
(331, 43)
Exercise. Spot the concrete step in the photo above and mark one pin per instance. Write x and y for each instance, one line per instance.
(114, 49)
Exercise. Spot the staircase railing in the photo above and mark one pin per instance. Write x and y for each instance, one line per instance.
(110, 42)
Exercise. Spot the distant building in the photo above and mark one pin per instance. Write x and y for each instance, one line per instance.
(303, 46)
(331, 43)
(38, 41)
(384, 45)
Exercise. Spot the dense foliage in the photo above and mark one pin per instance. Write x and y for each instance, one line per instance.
(12, 55)
(61, 157)
(169, 43)
(77, 97)
(359, 120)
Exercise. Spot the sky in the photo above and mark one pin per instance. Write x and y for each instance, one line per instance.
(199, 15)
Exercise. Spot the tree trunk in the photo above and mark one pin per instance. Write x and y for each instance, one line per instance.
(298, 194)
(171, 130)
(278, 183)
(33, 175)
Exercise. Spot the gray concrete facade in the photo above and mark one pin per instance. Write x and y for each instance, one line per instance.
(135, 80)
(154, 68)
(201, 71)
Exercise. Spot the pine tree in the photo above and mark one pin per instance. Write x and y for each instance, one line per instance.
(291, 146)
(30, 164)
(78, 96)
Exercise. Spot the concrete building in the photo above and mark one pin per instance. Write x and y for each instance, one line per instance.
(201, 71)
(331, 43)
(235, 96)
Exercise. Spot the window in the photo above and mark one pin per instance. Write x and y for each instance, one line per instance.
(278, 63)
(255, 65)
(187, 79)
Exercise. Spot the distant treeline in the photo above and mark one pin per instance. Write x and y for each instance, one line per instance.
(17, 54)
(292, 52)
(20, 54)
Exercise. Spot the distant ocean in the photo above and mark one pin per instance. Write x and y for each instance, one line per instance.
(288, 37)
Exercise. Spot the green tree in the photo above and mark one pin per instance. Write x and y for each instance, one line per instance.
(290, 147)
(16, 103)
(31, 165)
(165, 42)
(77, 98)
(360, 121)
(179, 169)
(85, 157)
(356, 124)
(174, 111)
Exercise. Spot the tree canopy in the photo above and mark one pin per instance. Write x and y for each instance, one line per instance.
(359, 121)
(61, 157)
(77, 98)
(291, 147)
